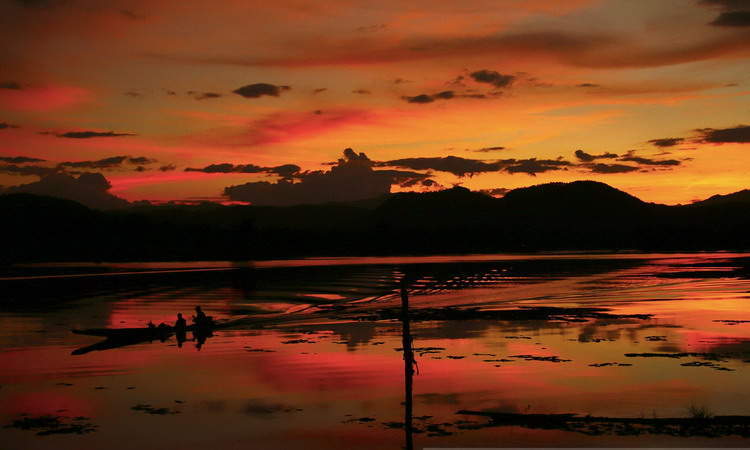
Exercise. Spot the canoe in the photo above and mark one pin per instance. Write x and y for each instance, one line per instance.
(117, 333)
(155, 332)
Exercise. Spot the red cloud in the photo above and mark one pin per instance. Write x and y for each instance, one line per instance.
(289, 126)
(43, 99)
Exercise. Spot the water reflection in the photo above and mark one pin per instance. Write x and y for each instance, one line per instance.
(314, 359)
(409, 363)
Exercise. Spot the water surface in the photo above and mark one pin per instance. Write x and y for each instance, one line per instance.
(314, 359)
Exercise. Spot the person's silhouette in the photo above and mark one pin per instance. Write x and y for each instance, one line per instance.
(180, 323)
(200, 317)
(180, 327)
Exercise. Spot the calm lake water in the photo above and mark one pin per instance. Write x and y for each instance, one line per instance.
(314, 361)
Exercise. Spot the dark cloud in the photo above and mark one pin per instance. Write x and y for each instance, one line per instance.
(4, 125)
(587, 85)
(426, 98)
(666, 142)
(361, 92)
(168, 168)
(107, 163)
(140, 160)
(90, 189)
(728, 4)
(487, 149)
(611, 168)
(732, 19)
(260, 89)
(227, 168)
(445, 95)
(587, 157)
(407, 178)
(458, 81)
(89, 134)
(20, 159)
(401, 81)
(133, 94)
(739, 134)
(452, 164)
(534, 166)
(650, 162)
(205, 95)
(492, 77)
(112, 161)
(24, 170)
(10, 85)
(736, 12)
(351, 178)
(462, 167)
(284, 171)
(319, 90)
(422, 98)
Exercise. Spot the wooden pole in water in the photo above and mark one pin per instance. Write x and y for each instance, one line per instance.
(408, 364)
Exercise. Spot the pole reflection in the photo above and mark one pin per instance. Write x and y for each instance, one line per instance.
(408, 366)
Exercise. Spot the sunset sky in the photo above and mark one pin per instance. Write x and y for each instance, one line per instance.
(650, 97)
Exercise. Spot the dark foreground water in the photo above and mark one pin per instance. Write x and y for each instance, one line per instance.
(314, 360)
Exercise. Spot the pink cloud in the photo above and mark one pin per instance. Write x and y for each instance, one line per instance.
(43, 98)
(289, 126)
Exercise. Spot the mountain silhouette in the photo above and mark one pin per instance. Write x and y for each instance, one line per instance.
(741, 197)
(581, 197)
(582, 215)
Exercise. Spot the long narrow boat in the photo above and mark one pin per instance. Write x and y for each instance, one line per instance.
(155, 332)
(115, 333)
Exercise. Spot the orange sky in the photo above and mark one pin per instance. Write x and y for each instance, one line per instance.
(83, 80)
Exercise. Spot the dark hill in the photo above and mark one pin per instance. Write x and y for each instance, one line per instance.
(583, 215)
(451, 208)
(741, 197)
(37, 225)
(578, 197)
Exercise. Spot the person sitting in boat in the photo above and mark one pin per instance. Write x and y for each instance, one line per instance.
(180, 324)
(200, 318)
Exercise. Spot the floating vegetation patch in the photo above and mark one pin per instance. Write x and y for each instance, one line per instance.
(148, 409)
(712, 356)
(530, 313)
(554, 359)
(705, 426)
(299, 341)
(248, 348)
(48, 424)
(360, 420)
(262, 407)
(732, 322)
